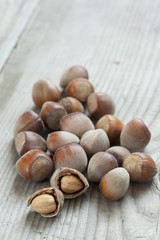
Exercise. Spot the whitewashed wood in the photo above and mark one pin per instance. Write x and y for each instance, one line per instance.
(118, 42)
(14, 17)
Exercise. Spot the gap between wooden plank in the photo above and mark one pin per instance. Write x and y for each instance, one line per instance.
(12, 25)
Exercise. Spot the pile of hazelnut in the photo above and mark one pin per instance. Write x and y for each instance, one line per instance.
(75, 144)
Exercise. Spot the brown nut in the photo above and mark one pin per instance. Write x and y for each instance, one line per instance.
(72, 105)
(76, 123)
(29, 121)
(115, 183)
(99, 164)
(26, 141)
(71, 182)
(99, 104)
(79, 88)
(94, 141)
(120, 153)
(72, 73)
(112, 126)
(71, 155)
(51, 113)
(44, 90)
(140, 167)
(59, 139)
(35, 165)
(47, 201)
(135, 135)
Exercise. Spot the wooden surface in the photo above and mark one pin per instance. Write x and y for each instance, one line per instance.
(119, 43)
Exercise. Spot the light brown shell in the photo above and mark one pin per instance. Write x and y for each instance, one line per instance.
(94, 141)
(29, 121)
(26, 141)
(135, 135)
(71, 155)
(60, 172)
(73, 72)
(77, 123)
(140, 166)
(99, 164)
(44, 90)
(56, 193)
(71, 105)
(99, 104)
(58, 139)
(120, 153)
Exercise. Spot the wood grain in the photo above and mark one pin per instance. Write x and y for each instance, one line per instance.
(14, 17)
(119, 43)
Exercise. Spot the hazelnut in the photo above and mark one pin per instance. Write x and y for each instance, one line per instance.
(35, 165)
(140, 167)
(79, 88)
(29, 121)
(72, 73)
(135, 135)
(59, 139)
(99, 164)
(47, 201)
(72, 105)
(76, 123)
(26, 141)
(44, 90)
(70, 181)
(112, 126)
(71, 155)
(94, 141)
(115, 183)
(99, 104)
(120, 153)
(51, 113)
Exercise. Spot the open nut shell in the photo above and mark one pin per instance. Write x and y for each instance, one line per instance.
(55, 181)
(56, 193)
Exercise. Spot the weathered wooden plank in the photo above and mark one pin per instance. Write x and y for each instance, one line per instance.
(14, 17)
(119, 44)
